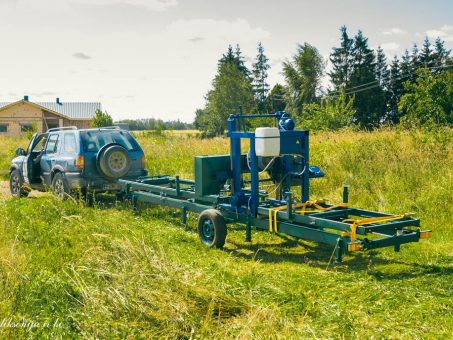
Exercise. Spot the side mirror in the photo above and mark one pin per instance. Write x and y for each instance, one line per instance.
(20, 152)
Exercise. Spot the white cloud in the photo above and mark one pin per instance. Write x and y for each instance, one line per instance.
(238, 30)
(445, 33)
(394, 31)
(154, 5)
(390, 47)
(435, 33)
(81, 55)
(447, 28)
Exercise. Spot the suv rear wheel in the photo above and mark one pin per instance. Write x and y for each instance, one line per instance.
(60, 186)
(16, 185)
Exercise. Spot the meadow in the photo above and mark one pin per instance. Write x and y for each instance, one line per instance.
(109, 271)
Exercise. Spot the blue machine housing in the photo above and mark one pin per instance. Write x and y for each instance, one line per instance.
(293, 143)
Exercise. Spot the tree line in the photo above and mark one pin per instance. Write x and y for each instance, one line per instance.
(156, 124)
(365, 89)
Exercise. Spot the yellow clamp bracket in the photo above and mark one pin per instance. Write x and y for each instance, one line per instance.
(273, 212)
(319, 208)
(273, 215)
(355, 246)
(370, 220)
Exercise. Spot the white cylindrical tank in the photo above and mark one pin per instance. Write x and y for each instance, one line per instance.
(267, 141)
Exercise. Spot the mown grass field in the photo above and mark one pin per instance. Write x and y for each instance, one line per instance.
(111, 272)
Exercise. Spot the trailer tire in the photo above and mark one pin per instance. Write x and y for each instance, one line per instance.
(212, 228)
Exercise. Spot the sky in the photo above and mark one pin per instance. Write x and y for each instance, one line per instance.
(157, 58)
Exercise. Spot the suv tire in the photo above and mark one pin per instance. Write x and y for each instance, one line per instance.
(60, 186)
(16, 185)
(113, 161)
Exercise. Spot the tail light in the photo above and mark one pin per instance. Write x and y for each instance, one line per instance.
(143, 161)
(80, 162)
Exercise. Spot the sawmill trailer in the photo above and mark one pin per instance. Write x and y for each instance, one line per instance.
(226, 190)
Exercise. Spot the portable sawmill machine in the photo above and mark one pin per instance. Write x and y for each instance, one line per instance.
(227, 190)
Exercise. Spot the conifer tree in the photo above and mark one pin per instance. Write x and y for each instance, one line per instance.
(260, 85)
(231, 91)
(406, 67)
(441, 54)
(426, 56)
(395, 91)
(382, 71)
(369, 101)
(414, 62)
(234, 57)
(342, 61)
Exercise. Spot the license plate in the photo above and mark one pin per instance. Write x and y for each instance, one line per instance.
(111, 186)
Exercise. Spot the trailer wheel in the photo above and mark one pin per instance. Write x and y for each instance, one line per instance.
(212, 228)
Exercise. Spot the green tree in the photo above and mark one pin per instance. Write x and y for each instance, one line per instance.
(426, 56)
(441, 54)
(342, 61)
(330, 114)
(235, 58)
(231, 91)
(414, 62)
(275, 100)
(102, 119)
(260, 85)
(303, 77)
(199, 122)
(369, 100)
(406, 66)
(395, 91)
(382, 70)
(429, 100)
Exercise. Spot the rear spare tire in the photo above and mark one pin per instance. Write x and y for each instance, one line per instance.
(113, 161)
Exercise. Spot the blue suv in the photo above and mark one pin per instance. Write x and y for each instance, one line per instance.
(68, 160)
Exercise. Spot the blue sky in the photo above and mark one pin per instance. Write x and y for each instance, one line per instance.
(157, 58)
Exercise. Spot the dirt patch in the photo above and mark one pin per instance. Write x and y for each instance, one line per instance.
(4, 191)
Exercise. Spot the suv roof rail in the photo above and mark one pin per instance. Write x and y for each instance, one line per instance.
(114, 127)
(62, 128)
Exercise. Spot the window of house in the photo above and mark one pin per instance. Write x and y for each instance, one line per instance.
(70, 145)
(3, 127)
(52, 144)
(26, 127)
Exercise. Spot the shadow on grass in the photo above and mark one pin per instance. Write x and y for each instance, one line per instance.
(318, 255)
(294, 250)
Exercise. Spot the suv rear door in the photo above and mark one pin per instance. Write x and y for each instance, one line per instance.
(49, 157)
(95, 140)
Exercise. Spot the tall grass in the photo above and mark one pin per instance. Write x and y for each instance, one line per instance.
(119, 273)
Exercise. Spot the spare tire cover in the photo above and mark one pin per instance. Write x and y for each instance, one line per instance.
(113, 161)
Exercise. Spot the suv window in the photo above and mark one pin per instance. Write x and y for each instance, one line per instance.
(39, 143)
(96, 139)
(70, 145)
(52, 144)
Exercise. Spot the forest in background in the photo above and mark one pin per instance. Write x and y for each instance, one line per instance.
(365, 89)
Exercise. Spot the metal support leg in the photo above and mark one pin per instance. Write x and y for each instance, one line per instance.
(339, 252)
(184, 215)
(345, 193)
(289, 204)
(133, 202)
(178, 186)
(248, 232)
